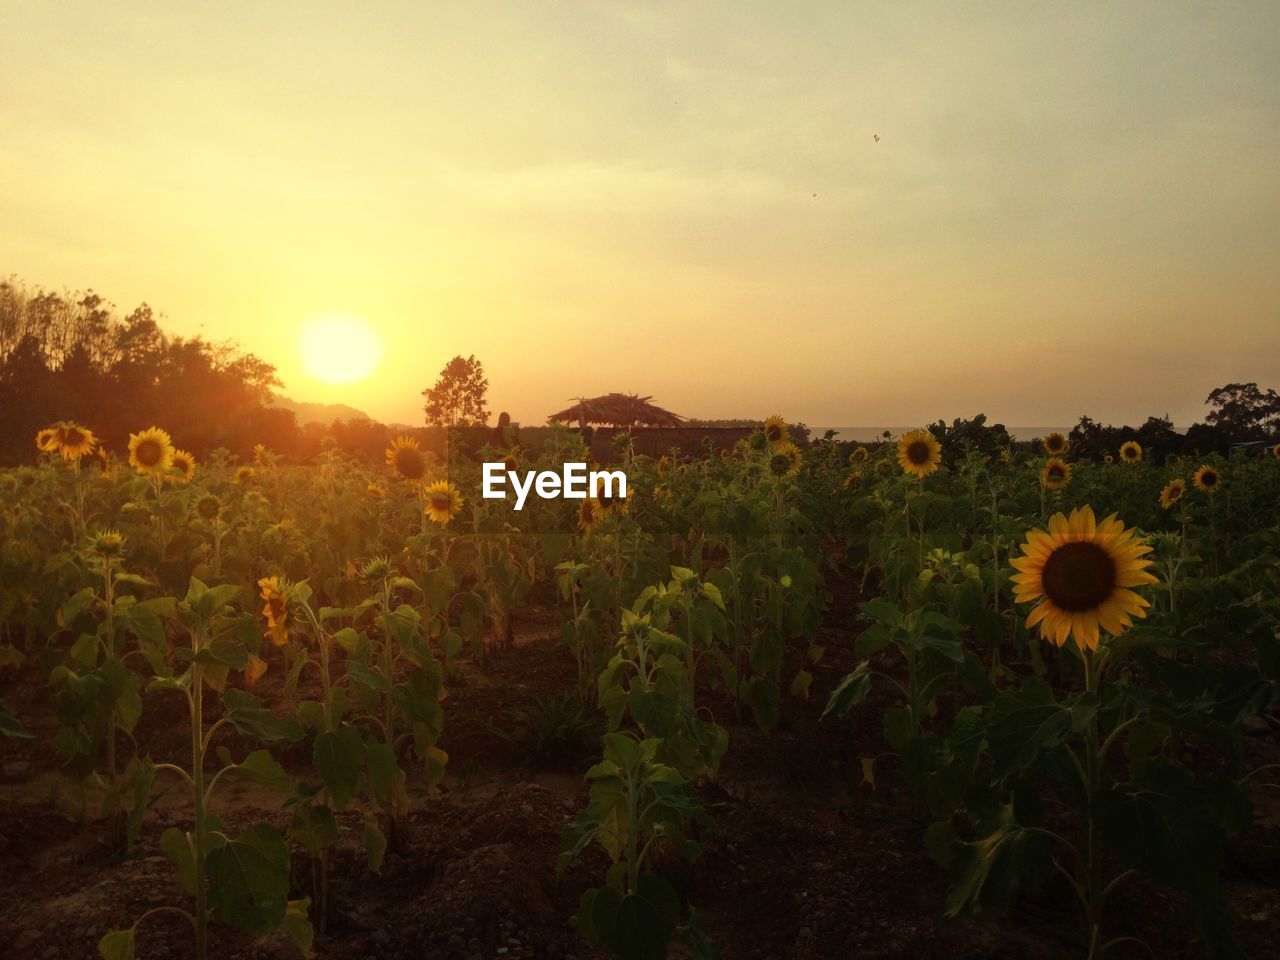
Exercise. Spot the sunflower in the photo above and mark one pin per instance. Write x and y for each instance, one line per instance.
(71, 440)
(183, 466)
(1275, 451)
(1208, 479)
(108, 544)
(1055, 444)
(1056, 474)
(244, 476)
(407, 458)
(588, 514)
(375, 492)
(46, 440)
(1108, 459)
(919, 453)
(511, 462)
(775, 429)
(275, 607)
(443, 502)
(664, 465)
(1131, 451)
(852, 479)
(1172, 492)
(151, 452)
(1082, 572)
(262, 455)
(786, 459)
(607, 503)
(858, 455)
(209, 506)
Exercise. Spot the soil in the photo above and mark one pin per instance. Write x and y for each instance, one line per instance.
(809, 862)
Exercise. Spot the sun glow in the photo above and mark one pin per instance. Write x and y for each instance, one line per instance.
(340, 349)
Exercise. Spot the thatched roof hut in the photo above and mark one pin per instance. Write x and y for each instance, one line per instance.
(617, 410)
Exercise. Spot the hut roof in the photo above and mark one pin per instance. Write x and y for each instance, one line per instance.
(617, 410)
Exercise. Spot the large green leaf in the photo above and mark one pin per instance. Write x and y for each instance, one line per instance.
(639, 925)
(339, 756)
(1022, 723)
(988, 872)
(244, 712)
(250, 880)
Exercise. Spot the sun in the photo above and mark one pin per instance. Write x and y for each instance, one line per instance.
(340, 349)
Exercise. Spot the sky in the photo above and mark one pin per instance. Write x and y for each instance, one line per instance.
(1071, 209)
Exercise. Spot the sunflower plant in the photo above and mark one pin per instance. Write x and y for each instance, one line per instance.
(243, 880)
(1102, 749)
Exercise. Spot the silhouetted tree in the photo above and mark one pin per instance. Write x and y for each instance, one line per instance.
(1243, 412)
(457, 399)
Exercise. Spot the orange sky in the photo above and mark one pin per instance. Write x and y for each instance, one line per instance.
(1069, 210)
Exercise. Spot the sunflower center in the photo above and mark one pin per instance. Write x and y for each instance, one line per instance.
(1078, 576)
(918, 452)
(440, 501)
(1209, 479)
(410, 463)
(149, 453)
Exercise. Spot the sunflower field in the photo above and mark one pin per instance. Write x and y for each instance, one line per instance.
(919, 698)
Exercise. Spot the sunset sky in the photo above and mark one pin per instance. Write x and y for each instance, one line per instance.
(1071, 208)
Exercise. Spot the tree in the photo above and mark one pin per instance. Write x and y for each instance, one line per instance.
(457, 399)
(1244, 412)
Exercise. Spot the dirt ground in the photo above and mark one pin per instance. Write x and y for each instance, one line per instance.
(808, 862)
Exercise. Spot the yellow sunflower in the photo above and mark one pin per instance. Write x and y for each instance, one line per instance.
(72, 441)
(858, 455)
(151, 452)
(664, 465)
(852, 479)
(1056, 474)
(244, 475)
(375, 492)
(1055, 444)
(443, 502)
(1172, 493)
(183, 467)
(786, 459)
(775, 429)
(407, 458)
(1109, 459)
(919, 453)
(46, 440)
(1131, 451)
(275, 607)
(1082, 572)
(1208, 479)
(1275, 451)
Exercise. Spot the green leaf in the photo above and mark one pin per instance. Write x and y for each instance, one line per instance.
(244, 712)
(177, 847)
(314, 827)
(1027, 721)
(638, 926)
(761, 695)
(262, 768)
(117, 945)
(10, 726)
(298, 925)
(852, 691)
(375, 843)
(250, 880)
(339, 756)
(987, 873)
